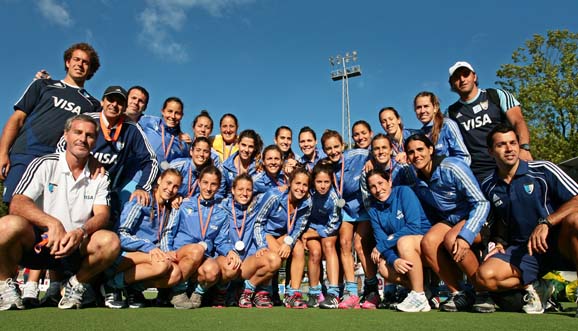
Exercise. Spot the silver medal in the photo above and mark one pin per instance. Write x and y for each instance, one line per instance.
(239, 246)
(204, 244)
(340, 203)
(165, 165)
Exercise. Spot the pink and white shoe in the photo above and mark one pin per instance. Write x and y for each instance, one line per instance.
(371, 301)
(349, 301)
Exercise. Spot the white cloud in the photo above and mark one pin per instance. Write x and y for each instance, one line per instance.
(54, 12)
(161, 18)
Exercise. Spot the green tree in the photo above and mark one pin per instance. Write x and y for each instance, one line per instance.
(544, 77)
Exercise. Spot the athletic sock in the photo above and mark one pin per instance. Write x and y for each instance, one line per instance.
(291, 291)
(351, 287)
(180, 287)
(200, 289)
(333, 289)
(249, 286)
(370, 281)
(315, 290)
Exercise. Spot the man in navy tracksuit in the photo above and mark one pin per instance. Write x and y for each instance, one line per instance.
(122, 142)
(536, 221)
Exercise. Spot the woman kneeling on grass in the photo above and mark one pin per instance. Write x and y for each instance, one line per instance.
(398, 223)
(450, 194)
(256, 269)
(200, 223)
(145, 233)
(321, 238)
(281, 219)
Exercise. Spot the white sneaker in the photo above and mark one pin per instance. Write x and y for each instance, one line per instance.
(72, 297)
(10, 295)
(30, 293)
(414, 303)
(537, 295)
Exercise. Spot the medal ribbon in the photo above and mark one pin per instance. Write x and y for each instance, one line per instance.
(290, 222)
(166, 149)
(340, 189)
(239, 232)
(204, 226)
(160, 219)
(191, 191)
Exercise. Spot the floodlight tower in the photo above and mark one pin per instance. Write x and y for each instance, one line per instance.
(342, 70)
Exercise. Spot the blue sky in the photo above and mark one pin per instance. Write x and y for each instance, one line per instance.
(267, 60)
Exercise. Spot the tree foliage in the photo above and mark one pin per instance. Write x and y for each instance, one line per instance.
(544, 78)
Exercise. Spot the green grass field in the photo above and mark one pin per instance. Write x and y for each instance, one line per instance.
(237, 319)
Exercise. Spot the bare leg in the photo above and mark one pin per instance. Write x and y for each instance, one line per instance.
(259, 270)
(409, 249)
(190, 258)
(100, 252)
(16, 235)
(345, 241)
(498, 275)
(331, 258)
(364, 243)
(438, 258)
(314, 263)
(470, 263)
(297, 265)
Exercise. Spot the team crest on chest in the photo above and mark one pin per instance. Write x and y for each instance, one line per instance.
(51, 187)
(529, 188)
(476, 109)
(484, 105)
(399, 214)
(119, 145)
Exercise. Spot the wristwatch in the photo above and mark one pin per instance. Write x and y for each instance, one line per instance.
(543, 220)
(288, 240)
(525, 147)
(84, 233)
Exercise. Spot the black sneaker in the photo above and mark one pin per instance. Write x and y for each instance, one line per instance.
(112, 297)
(484, 303)
(313, 300)
(163, 298)
(330, 302)
(50, 299)
(460, 301)
(135, 299)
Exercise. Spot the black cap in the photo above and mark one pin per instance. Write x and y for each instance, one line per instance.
(115, 90)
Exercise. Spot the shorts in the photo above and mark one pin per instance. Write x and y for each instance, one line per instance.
(320, 228)
(18, 165)
(363, 217)
(537, 265)
(38, 261)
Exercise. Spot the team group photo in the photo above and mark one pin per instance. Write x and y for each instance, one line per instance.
(112, 203)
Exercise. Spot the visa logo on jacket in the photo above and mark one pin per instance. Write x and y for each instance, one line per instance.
(66, 105)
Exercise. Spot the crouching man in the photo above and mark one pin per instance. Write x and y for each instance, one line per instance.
(57, 219)
(536, 222)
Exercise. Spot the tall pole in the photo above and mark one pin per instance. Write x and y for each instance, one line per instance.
(340, 71)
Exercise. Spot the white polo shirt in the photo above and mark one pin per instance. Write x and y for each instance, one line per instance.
(49, 182)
